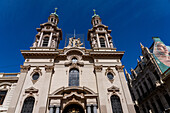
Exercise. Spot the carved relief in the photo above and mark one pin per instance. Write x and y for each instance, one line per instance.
(98, 68)
(120, 68)
(74, 42)
(24, 69)
(49, 68)
(31, 90)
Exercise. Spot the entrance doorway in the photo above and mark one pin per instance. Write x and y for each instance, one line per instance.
(73, 108)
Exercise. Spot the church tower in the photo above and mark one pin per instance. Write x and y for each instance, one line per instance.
(49, 35)
(99, 35)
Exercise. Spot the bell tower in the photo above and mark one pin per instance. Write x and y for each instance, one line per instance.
(99, 35)
(49, 35)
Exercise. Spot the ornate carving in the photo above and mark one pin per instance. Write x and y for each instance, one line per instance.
(113, 89)
(31, 90)
(98, 68)
(109, 70)
(74, 42)
(119, 68)
(49, 68)
(24, 69)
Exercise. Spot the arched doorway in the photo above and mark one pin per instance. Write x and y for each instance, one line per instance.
(73, 108)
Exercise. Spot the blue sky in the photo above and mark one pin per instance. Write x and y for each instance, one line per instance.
(131, 22)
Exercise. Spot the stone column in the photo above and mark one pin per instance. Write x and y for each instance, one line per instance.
(51, 108)
(49, 43)
(98, 42)
(94, 108)
(40, 40)
(107, 41)
(17, 93)
(57, 109)
(43, 94)
(88, 108)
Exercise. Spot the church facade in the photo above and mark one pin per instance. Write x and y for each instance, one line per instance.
(69, 80)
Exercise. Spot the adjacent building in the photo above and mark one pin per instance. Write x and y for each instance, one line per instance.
(149, 82)
(69, 80)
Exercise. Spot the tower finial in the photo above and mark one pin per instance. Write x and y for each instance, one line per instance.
(94, 11)
(55, 10)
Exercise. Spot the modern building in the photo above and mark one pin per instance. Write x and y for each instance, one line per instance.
(69, 80)
(149, 82)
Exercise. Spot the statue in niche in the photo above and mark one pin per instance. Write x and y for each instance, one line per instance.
(53, 44)
(93, 42)
(74, 42)
(111, 43)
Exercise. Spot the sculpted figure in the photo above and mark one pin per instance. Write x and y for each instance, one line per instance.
(79, 42)
(35, 43)
(53, 44)
(70, 42)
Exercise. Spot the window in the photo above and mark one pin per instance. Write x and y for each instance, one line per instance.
(154, 107)
(45, 42)
(102, 42)
(110, 76)
(167, 98)
(51, 19)
(116, 105)
(28, 105)
(35, 76)
(74, 60)
(156, 75)
(2, 96)
(74, 77)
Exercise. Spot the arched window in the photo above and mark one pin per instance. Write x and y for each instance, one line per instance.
(74, 77)
(45, 42)
(102, 42)
(116, 105)
(28, 105)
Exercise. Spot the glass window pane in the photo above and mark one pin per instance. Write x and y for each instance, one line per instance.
(74, 77)
(28, 105)
(116, 105)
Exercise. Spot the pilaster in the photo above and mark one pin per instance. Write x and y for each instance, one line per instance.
(18, 89)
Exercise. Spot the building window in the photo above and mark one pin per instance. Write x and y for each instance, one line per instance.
(102, 42)
(74, 60)
(116, 105)
(154, 107)
(2, 96)
(28, 105)
(110, 76)
(156, 75)
(74, 77)
(35, 76)
(160, 104)
(45, 42)
(167, 98)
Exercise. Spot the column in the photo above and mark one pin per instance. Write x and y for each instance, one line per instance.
(57, 109)
(107, 41)
(49, 43)
(94, 108)
(98, 42)
(51, 108)
(88, 108)
(40, 40)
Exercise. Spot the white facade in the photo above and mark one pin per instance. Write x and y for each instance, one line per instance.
(71, 79)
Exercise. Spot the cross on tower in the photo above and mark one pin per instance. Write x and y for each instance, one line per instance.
(94, 11)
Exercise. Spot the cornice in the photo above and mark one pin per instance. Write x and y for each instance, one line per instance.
(32, 54)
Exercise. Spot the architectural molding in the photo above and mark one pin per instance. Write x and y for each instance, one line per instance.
(120, 68)
(31, 90)
(49, 68)
(98, 68)
(24, 69)
(113, 89)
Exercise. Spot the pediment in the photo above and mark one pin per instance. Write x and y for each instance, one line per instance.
(113, 89)
(31, 90)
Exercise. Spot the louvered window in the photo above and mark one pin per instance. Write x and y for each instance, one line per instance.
(116, 105)
(45, 41)
(28, 105)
